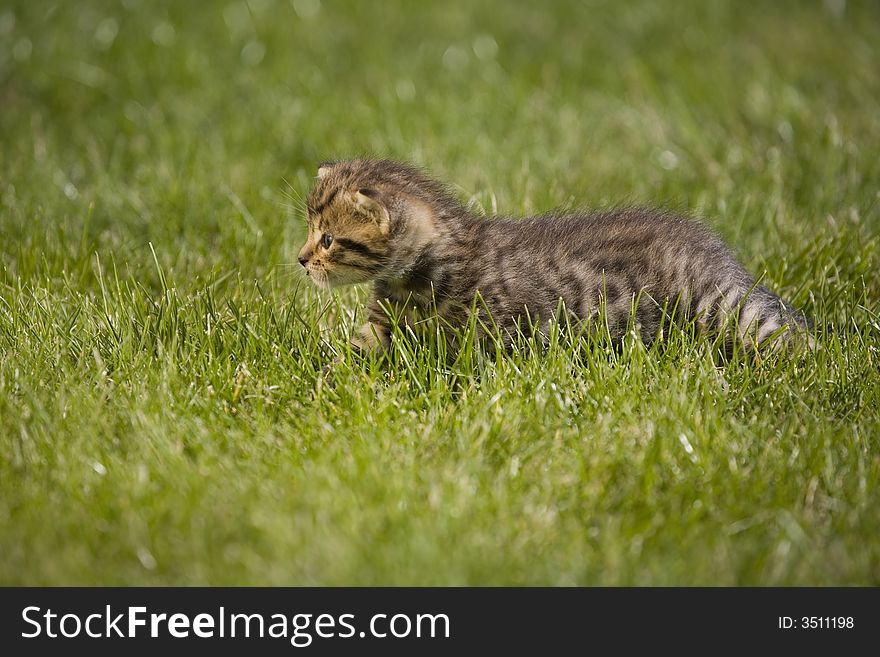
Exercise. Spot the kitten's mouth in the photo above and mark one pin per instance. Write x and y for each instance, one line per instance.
(324, 280)
(339, 278)
(319, 278)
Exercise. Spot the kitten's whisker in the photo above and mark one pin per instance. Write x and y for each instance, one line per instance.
(297, 202)
(298, 211)
(296, 195)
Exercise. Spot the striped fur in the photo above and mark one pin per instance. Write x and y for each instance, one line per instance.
(386, 222)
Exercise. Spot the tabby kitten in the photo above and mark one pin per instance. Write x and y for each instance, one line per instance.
(386, 222)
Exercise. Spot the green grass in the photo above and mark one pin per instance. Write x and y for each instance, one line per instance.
(162, 420)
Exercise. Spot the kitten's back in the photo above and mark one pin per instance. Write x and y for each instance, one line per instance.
(611, 260)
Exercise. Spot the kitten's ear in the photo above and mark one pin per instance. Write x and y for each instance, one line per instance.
(369, 202)
(324, 168)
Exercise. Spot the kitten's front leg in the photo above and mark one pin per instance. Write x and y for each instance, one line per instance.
(375, 335)
(372, 337)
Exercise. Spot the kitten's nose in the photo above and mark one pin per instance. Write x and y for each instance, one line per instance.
(303, 261)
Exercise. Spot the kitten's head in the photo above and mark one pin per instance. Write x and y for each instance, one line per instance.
(367, 219)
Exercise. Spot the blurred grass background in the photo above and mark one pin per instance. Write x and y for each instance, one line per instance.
(160, 417)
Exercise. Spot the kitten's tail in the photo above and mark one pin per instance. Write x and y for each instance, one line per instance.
(767, 320)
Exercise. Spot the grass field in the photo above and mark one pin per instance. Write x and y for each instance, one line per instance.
(162, 420)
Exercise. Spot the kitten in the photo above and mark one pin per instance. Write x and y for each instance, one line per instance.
(386, 222)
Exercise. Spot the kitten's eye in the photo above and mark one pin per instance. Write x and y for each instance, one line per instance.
(327, 240)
